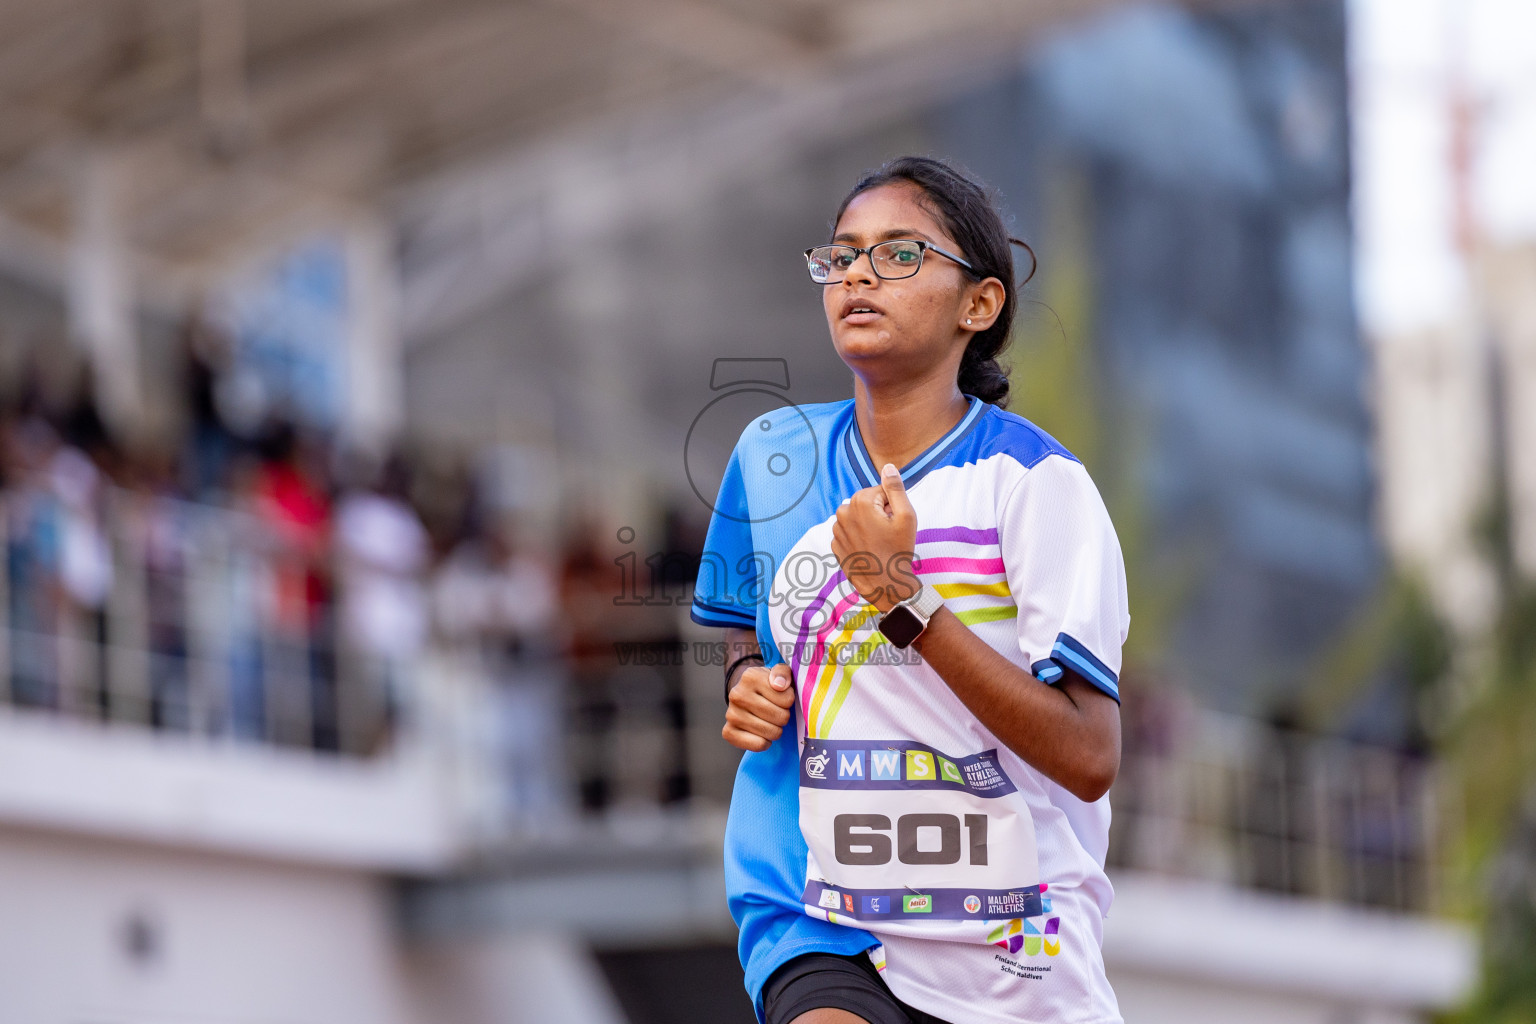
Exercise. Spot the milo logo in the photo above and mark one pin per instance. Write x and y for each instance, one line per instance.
(917, 904)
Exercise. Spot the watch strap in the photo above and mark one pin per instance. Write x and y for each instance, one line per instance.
(926, 602)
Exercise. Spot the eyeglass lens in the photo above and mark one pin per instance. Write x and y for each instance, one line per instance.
(891, 260)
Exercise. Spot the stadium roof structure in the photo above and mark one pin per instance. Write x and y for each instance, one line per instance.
(218, 129)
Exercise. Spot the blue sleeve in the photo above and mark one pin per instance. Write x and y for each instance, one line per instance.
(764, 851)
(765, 859)
(726, 593)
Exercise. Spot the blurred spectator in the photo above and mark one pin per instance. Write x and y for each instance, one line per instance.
(293, 503)
(211, 444)
(164, 554)
(499, 598)
(32, 559)
(221, 582)
(495, 600)
(246, 581)
(382, 551)
(85, 578)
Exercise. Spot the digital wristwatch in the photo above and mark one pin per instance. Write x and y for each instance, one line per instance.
(906, 621)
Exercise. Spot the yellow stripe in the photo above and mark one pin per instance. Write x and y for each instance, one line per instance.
(861, 614)
(860, 657)
(998, 589)
(993, 614)
(827, 668)
(858, 617)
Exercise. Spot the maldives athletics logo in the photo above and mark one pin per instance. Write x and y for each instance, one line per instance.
(1021, 934)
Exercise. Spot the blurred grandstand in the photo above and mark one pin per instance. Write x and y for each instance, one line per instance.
(349, 353)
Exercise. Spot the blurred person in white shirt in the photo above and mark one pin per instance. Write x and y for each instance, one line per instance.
(382, 552)
(496, 605)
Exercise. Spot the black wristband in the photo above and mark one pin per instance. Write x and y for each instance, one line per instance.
(730, 670)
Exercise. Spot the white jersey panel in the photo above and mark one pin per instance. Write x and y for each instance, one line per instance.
(983, 879)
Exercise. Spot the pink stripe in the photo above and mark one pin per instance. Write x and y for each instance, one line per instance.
(838, 611)
(805, 621)
(979, 566)
(922, 566)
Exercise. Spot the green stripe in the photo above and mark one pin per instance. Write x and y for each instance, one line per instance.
(972, 616)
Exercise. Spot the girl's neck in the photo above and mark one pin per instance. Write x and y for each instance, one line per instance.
(899, 422)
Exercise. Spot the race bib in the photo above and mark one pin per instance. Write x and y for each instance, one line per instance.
(901, 832)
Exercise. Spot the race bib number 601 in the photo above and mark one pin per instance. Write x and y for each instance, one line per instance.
(897, 829)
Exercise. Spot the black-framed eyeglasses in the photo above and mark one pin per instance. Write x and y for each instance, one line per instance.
(891, 261)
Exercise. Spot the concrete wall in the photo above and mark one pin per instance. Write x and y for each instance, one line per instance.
(99, 932)
(391, 813)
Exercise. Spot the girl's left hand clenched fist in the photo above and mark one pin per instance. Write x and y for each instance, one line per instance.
(874, 539)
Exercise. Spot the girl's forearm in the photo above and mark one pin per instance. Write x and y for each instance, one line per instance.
(1069, 732)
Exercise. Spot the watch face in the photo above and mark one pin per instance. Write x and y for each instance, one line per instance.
(901, 626)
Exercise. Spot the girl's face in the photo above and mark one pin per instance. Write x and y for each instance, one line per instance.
(910, 327)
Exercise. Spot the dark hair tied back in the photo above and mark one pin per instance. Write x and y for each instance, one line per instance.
(967, 212)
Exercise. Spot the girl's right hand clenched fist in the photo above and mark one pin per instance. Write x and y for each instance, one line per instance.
(759, 707)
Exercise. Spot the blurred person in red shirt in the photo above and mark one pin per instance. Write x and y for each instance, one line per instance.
(293, 502)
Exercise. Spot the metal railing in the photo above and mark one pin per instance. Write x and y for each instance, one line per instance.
(185, 617)
(204, 622)
(1252, 804)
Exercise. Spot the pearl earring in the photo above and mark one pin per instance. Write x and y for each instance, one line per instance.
(967, 320)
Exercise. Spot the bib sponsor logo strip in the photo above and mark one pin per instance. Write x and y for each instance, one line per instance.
(894, 905)
(899, 764)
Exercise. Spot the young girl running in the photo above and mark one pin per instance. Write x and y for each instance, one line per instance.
(927, 646)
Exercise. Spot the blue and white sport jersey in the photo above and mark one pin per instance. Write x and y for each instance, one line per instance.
(889, 819)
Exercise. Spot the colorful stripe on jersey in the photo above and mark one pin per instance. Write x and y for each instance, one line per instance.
(980, 594)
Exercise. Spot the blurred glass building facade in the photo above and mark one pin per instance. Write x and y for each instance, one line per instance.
(1185, 181)
(352, 436)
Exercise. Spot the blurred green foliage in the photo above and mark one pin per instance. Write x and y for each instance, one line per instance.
(1473, 701)
(1491, 747)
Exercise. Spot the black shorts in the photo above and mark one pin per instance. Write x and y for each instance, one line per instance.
(822, 980)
